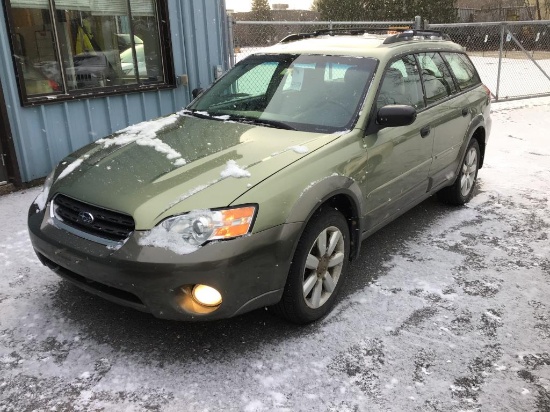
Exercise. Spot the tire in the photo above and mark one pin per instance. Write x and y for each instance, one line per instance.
(462, 189)
(311, 270)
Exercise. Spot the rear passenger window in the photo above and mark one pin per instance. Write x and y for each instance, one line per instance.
(463, 70)
(401, 84)
(437, 79)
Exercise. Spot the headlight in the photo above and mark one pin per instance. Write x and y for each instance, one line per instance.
(200, 226)
(42, 198)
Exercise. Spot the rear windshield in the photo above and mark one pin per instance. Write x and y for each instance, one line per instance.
(302, 92)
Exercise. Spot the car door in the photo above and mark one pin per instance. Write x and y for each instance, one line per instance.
(399, 158)
(450, 115)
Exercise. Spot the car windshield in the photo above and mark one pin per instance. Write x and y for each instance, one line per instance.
(299, 92)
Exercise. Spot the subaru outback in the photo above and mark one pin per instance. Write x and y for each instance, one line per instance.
(260, 191)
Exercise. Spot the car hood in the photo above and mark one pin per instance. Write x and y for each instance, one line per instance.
(179, 163)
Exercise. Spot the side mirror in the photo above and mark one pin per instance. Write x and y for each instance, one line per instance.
(395, 115)
(196, 92)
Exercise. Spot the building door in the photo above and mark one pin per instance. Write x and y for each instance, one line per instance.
(9, 172)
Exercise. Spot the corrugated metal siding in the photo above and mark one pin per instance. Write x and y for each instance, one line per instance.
(43, 135)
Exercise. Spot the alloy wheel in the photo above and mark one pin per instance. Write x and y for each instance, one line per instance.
(469, 172)
(323, 267)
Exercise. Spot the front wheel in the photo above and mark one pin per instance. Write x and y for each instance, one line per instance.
(318, 268)
(462, 189)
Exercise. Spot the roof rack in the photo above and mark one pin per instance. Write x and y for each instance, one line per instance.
(414, 34)
(402, 34)
(350, 31)
(297, 36)
(359, 30)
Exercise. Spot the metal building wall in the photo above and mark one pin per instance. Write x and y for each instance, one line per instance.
(44, 134)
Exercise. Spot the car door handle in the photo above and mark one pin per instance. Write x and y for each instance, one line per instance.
(465, 112)
(425, 131)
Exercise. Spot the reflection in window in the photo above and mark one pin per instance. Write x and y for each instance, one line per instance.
(34, 48)
(89, 44)
(401, 84)
(463, 70)
(305, 92)
(438, 82)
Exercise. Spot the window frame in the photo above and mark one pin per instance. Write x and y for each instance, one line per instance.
(165, 47)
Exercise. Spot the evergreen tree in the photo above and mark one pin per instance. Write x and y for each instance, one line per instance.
(435, 11)
(261, 11)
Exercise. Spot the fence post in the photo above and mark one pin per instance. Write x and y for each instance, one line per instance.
(230, 28)
(417, 22)
(502, 28)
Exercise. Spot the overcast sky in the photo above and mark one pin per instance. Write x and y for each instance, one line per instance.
(244, 5)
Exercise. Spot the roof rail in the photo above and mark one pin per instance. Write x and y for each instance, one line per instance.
(297, 36)
(407, 35)
(359, 30)
(403, 34)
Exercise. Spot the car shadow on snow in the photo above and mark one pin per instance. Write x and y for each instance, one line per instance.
(129, 331)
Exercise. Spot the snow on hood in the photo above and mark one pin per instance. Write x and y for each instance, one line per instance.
(145, 134)
(140, 170)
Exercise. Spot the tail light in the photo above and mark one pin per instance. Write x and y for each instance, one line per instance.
(488, 93)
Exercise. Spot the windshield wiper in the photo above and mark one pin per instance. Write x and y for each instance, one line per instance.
(198, 113)
(241, 119)
(263, 122)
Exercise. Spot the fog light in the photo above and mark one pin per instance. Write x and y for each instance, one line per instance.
(207, 296)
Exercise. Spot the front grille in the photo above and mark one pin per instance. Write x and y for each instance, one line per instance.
(106, 224)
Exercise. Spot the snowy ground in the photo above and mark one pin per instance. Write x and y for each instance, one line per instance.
(519, 76)
(446, 309)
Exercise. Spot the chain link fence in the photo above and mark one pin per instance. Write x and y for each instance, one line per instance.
(251, 36)
(513, 58)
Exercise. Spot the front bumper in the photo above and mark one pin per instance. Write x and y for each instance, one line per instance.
(249, 272)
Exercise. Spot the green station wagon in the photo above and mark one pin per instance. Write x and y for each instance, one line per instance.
(261, 191)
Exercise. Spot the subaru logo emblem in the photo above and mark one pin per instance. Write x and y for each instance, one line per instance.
(86, 218)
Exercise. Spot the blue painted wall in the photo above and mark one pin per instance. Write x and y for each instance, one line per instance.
(43, 135)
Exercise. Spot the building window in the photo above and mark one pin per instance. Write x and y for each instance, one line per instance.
(69, 48)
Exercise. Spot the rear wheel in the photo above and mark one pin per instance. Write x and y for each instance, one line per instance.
(318, 268)
(462, 189)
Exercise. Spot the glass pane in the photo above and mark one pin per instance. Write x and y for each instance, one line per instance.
(97, 47)
(34, 47)
(463, 69)
(89, 46)
(256, 81)
(401, 84)
(304, 92)
(438, 82)
(145, 25)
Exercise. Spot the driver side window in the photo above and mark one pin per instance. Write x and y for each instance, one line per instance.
(401, 84)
